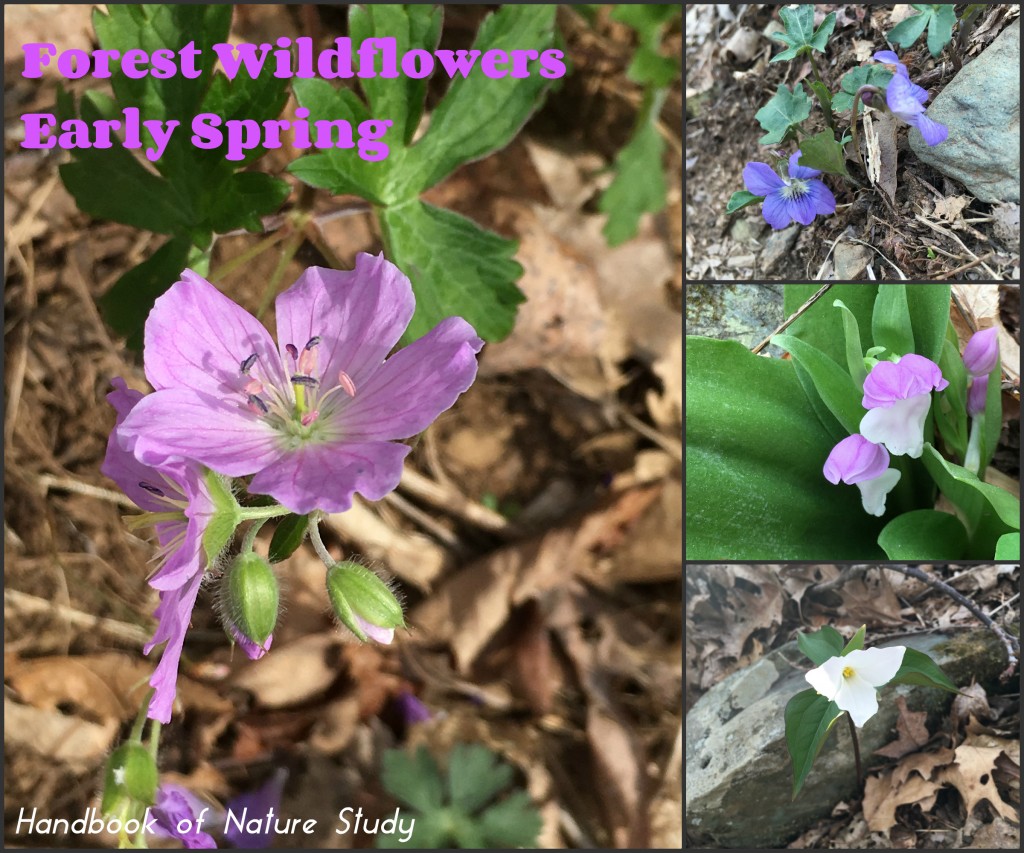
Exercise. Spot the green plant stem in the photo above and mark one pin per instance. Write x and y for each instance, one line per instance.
(250, 534)
(287, 253)
(318, 542)
(827, 110)
(856, 751)
(140, 719)
(253, 513)
(249, 254)
(853, 131)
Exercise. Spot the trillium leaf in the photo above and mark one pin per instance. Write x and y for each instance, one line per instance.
(822, 152)
(919, 669)
(741, 199)
(1008, 547)
(785, 110)
(833, 385)
(800, 34)
(754, 455)
(809, 719)
(821, 645)
(856, 641)
(863, 75)
(924, 534)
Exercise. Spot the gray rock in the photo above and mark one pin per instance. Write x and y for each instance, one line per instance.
(851, 259)
(739, 778)
(981, 108)
(747, 313)
(777, 246)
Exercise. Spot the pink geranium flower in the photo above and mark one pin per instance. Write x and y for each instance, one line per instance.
(315, 417)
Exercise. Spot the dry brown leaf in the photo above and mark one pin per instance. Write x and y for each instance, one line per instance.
(910, 726)
(871, 599)
(56, 736)
(971, 774)
(950, 208)
(971, 702)
(882, 796)
(295, 672)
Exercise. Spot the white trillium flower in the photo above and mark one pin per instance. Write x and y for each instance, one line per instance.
(851, 680)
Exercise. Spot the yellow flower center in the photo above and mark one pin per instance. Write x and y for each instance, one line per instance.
(847, 672)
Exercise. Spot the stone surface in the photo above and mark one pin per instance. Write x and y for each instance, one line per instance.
(739, 778)
(777, 246)
(851, 259)
(981, 108)
(747, 313)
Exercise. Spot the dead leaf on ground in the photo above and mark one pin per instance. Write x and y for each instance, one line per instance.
(58, 737)
(880, 138)
(871, 600)
(882, 798)
(910, 726)
(950, 209)
(971, 774)
(971, 703)
(294, 673)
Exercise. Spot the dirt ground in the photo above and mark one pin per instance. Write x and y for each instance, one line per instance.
(536, 535)
(933, 230)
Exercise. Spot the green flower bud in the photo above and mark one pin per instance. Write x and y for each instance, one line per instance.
(130, 779)
(363, 602)
(250, 596)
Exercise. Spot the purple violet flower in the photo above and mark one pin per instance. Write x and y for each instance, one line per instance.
(797, 198)
(981, 354)
(898, 396)
(178, 808)
(857, 461)
(412, 709)
(906, 100)
(175, 493)
(315, 418)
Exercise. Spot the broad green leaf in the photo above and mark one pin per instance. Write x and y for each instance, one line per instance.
(480, 114)
(863, 75)
(648, 65)
(288, 536)
(822, 152)
(128, 302)
(924, 534)
(513, 823)
(940, 28)
(833, 385)
(929, 316)
(951, 403)
(822, 645)
(242, 199)
(784, 111)
(919, 669)
(854, 352)
(909, 30)
(456, 268)
(741, 199)
(800, 34)
(992, 425)
(413, 779)
(938, 18)
(399, 99)
(856, 641)
(639, 183)
(754, 455)
(988, 511)
(1008, 547)
(809, 719)
(890, 323)
(475, 776)
(822, 325)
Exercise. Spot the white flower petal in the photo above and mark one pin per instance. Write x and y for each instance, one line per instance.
(827, 678)
(874, 492)
(900, 427)
(858, 697)
(876, 666)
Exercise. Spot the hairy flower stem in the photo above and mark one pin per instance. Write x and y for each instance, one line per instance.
(250, 534)
(318, 542)
(856, 750)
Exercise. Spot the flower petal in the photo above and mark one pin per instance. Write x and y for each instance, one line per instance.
(903, 99)
(981, 354)
(801, 208)
(855, 459)
(821, 198)
(197, 338)
(889, 57)
(932, 132)
(858, 698)
(761, 179)
(192, 425)
(325, 476)
(384, 636)
(415, 385)
(173, 614)
(358, 314)
(776, 211)
(873, 492)
(900, 427)
(798, 171)
(827, 678)
(877, 666)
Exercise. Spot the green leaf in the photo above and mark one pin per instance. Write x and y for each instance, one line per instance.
(639, 183)
(854, 352)
(741, 199)
(863, 75)
(512, 823)
(1008, 547)
(475, 777)
(243, 198)
(413, 779)
(429, 831)
(992, 422)
(833, 385)
(649, 66)
(822, 152)
(822, 645)
(456, 268)
(824, 95)
(784, 111)
(921, 670)
(480, 114)
(909, 30)
(929, 316)
(800, 34)
(127, 304)
(856, 641)
(288, 536)
(951, 403)
(988, 511)
(890, 323)
(754, 455)
(939, 18)
(924, 534)
(940, 29)
(821, 325)
(809, 718)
